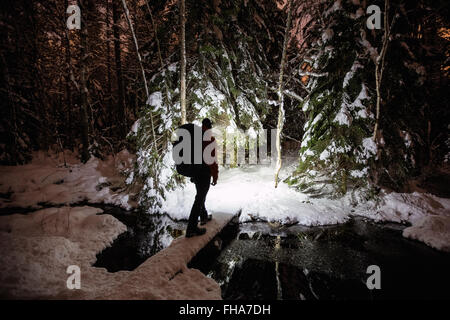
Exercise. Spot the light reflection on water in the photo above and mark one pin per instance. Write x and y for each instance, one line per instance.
(263, 261)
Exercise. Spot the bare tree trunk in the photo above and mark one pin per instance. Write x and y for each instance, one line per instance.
(136, 45)
(183, 62)
(108, 63)
(155, 31)
(120, 87)
(156, 34)
(280, 94)
(69, 72)
(380, 64)
(83, 86)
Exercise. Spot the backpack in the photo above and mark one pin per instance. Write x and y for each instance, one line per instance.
(188, 168)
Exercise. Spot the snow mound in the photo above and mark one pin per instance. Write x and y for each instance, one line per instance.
(47, 180)
(432, 230)
(408, 207)
(429, 216)
(37, 249)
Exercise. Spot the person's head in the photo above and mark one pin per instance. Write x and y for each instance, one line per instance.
(206, 124)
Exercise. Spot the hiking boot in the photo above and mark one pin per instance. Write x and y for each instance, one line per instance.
(195, 232)
(204, 221)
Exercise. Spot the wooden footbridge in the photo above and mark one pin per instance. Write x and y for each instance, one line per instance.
(166, 275)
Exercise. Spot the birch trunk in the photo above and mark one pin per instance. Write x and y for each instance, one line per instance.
(110, 118)
(280, 94)
(379, 69)
(136, 45)
(155, 31)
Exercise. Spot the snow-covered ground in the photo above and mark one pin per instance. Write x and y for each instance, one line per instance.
(247, 189)
(428, 215)
(47, 180)
(251, 191)
(37, 247)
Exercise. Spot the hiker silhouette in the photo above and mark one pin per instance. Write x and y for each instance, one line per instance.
(202, 181)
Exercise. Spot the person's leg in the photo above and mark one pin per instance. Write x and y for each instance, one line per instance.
(202, 189)
(203, 213)
(205, 184)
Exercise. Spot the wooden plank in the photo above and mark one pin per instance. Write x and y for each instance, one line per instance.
(184, 249)
(165, 273)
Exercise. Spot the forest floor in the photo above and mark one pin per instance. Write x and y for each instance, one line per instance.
(57, 231)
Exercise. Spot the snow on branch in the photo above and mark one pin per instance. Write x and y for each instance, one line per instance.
(289, 93)
(312, 74)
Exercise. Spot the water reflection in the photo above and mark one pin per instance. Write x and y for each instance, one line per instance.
(146, 235)
(263, 261)
(328, 263)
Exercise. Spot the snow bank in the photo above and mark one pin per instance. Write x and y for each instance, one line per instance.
(37, 249)
(250, 190)
(433, 230)
(407, 207)
(47, 180)
(429, 216)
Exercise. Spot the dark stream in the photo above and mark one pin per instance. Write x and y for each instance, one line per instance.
(257, 261)
(146, 235)
(301, 263)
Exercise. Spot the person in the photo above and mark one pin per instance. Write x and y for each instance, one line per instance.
(202, 180)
